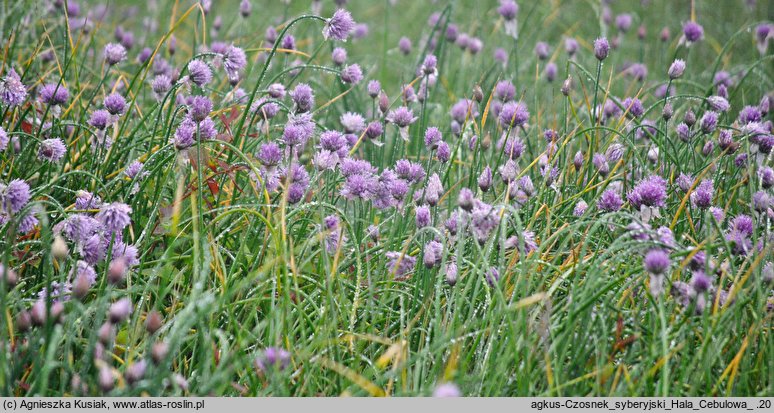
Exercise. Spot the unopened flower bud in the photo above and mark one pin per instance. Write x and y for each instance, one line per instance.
(153, 322)
(105, 379)
(59, 248)
(120, 310)
(159, 352)
(478, 94)
(117, 271)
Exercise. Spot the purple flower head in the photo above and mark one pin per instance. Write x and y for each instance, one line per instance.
(500, 55)
(623, 22)
(120, 310)
(740, 160)
(51, 150)
(161, 85)
(513, 114)
(429, 66)
(374, 130)
(580, 208)
(12, 90)
(614, 152)
(483, 220)
(692, 31)
(650, 192)
(27, 223)
(87, 200)
(508, 9)
(374, 87)
(634, 107)
(265, 109)
(144, 55)
(571, 46)
(462, 40)
(551, 71)
(114, 216)
(465, 199)
(303, 97)
(452, 32)
(718, 103)
(401, 117)
(676, 69)
(444, 152)
(363, 186)
(4, 139)
(601, 48)
(684, 182)
(742, 224)
(234, 60)
(475, 45)
(508, 171)
(339, 56)
(207, 129)
(296, 192)
(766, 175)
(404, 45)
(485, 179)
(276, 90)
(269, 154)
(15, 195)
(334, 141)
(360, 31)
(400, 264)
(600, 164)
(423, 218)
(700, 282)
(765, 105)
(464, 109)
(245, 8)
(451, 389)
(542, 50)
(325, 159)
(100, 119)
(272, 359)
(683, 132)
(577, 160)
(513, 147)
(610, 201)
(665, 34)
(351, 167)
(722, 78)
(761, 201)
(702, 197)
(114, 53)
(200, 73)
(115, 104)
(492, 276)
(709, 122)
(134, 169)
(667, 111)
(185, 134)
(504, 90)
(433, 254)
(432, 137)
(338, 26)
(289, 42)
(297, 131)
(351, 74)
(740, 230)
(656, 261)
(54, 94)
(749, 114)
(201, 106)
